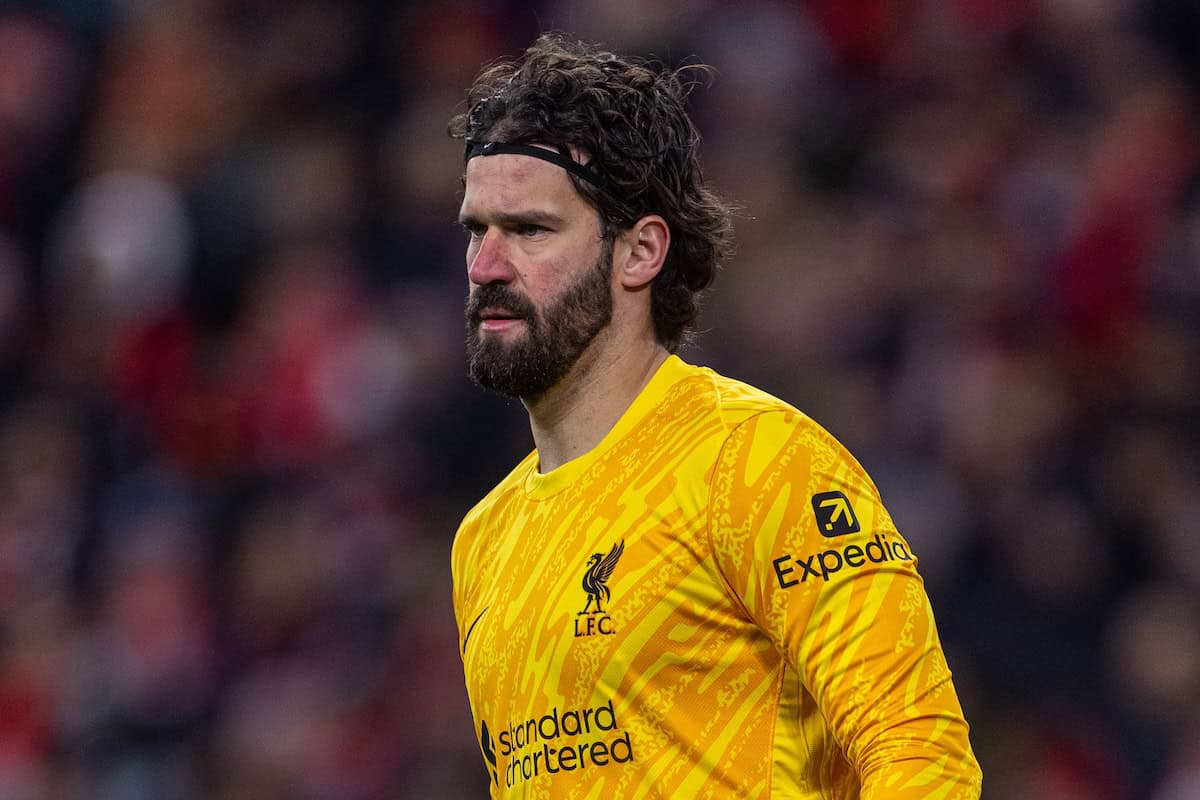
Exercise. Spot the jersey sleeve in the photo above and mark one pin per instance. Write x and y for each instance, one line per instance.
(805, 545)
(461, 579)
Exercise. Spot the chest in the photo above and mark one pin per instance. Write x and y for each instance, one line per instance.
(570, 603)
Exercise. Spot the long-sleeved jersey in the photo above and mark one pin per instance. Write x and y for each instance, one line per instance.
(711, 603)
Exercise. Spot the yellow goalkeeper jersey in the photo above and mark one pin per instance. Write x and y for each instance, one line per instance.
(712, 603)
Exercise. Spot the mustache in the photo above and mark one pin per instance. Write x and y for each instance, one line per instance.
(495, 295)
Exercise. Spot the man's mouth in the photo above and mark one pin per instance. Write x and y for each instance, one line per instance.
(496, 319)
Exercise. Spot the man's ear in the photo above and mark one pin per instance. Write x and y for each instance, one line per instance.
(647, 242)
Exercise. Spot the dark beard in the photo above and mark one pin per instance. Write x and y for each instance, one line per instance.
(554, 340)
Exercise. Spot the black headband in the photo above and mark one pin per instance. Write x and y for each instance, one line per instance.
(553, 156)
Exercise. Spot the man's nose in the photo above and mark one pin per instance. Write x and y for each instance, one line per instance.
(489, 263)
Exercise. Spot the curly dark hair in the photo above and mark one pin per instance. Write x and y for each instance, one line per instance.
(627, 115)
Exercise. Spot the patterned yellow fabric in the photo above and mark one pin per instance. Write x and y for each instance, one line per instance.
(712, 603)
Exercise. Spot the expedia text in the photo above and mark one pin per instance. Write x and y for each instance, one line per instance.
(827, 562)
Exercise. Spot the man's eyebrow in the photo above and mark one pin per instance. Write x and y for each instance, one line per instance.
(510, 219)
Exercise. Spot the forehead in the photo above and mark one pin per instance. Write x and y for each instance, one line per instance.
(508, 181)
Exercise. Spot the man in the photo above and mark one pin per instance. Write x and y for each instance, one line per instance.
(689, 589)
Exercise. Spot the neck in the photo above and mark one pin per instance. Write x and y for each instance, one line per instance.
(576, 414)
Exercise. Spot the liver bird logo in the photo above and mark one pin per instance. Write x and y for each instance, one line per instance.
(595, 580)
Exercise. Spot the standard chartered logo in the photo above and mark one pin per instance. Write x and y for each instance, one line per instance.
(563, 742)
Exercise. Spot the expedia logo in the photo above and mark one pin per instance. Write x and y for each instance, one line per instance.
(834, 514)
(822, 565)
(593, 619)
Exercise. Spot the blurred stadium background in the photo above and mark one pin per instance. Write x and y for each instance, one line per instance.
(236, 435)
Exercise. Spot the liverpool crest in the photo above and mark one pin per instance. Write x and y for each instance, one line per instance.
(595, 584)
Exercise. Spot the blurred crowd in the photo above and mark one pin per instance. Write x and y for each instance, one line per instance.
(236, 434)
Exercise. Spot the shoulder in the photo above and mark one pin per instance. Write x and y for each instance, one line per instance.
(757, 436)
(731, 398)
(762, 434)
(466, 539)
(746, 410)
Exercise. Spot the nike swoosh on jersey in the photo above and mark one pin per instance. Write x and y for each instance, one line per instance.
(472, 628)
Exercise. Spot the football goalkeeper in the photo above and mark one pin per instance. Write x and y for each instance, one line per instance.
(689, 588)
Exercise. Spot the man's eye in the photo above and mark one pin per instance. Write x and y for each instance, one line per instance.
(529, 229)
(473, 230)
